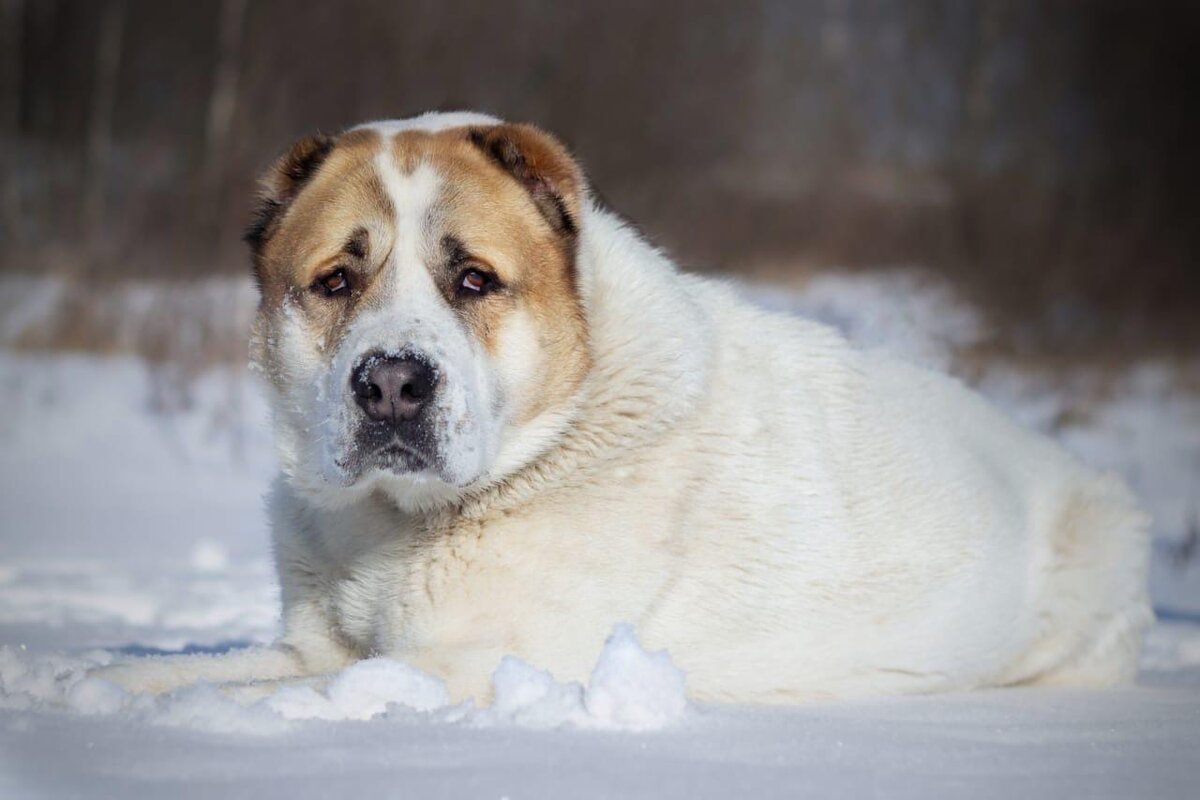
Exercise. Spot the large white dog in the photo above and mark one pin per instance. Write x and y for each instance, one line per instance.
(506, 422)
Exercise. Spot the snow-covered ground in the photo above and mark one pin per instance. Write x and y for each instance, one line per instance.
(125, 529)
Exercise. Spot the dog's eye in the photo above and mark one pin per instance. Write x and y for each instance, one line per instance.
(475, 282)
(334, 283)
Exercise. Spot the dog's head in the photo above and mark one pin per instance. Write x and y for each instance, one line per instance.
(420, 316)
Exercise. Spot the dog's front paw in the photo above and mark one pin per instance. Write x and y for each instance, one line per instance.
(146, 676)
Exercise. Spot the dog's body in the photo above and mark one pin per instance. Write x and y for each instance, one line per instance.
(789, 516)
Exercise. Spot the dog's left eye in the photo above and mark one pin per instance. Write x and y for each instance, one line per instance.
(334, 283)
(475, 282)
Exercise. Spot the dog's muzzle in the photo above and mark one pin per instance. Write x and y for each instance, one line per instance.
(396, 395)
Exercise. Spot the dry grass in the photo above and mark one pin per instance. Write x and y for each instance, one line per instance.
(191, 325)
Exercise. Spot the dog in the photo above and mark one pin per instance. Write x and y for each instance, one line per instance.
(505, 422)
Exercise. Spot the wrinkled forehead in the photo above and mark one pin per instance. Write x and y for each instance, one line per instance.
(393, 186)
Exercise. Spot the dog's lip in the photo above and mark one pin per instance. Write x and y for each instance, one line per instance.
(365, 459)
(398, 448)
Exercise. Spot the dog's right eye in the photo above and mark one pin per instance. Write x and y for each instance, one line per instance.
(335, 283)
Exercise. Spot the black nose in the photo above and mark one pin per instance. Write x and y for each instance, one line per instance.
(393, 389)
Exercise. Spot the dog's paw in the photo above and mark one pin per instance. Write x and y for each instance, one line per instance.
(146, 676)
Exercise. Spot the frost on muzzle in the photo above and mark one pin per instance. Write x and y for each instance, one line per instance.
(395, 394)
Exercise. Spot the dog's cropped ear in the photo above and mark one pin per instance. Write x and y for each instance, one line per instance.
(542, 165)
(281, 183)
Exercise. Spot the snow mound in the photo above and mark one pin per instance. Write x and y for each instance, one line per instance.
(29, 682)
(362, 691)
(95, 696)
(632, 689)
(530, 697)
(204, 707)
(629, 689)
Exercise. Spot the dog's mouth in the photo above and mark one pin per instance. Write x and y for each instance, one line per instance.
(390, 454)
(400, 457)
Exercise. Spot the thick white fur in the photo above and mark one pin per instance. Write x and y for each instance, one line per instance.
(791, 517)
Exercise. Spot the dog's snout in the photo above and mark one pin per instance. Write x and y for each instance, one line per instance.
(393, 389)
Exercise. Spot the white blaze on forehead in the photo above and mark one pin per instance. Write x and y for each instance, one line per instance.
(413, 197)
(415, 317)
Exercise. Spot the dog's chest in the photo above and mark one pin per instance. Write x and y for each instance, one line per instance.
(407, 589)
(366, 602)
(484, 589)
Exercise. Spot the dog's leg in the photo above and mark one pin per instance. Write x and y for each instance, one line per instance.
(249, 693)
(157, 674)
(308, 648)
(310, 645)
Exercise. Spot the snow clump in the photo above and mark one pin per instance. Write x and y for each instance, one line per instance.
(629, 689)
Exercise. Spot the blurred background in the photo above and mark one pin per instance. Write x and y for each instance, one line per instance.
(1040, 155)
(1005, 189)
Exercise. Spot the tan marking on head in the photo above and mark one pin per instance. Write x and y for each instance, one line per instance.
(341, 218)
